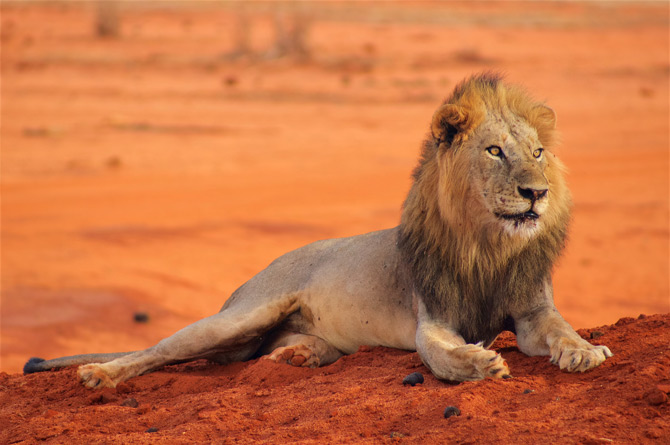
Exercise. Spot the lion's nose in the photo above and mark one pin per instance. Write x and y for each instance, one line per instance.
(533, 194)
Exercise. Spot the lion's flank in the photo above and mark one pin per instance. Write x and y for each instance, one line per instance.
(459, 266)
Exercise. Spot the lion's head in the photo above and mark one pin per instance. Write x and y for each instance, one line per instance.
(488, 179)
(487, 215)
(493, 150)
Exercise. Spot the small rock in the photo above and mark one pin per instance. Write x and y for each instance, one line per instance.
(528, 391)
(152, 430)
(664, 387)
(656, 397)
(131, 402)
(113, 163)
(413, 379)
(230, 80)
(596, 334)
(141, 317)
(641, 317)
(451, 411)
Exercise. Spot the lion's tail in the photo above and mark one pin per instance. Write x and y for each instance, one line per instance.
(36, 364)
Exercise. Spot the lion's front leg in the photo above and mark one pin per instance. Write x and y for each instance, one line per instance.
(449, 357)
(544, 332)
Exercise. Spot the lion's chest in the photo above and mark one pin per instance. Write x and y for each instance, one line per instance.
(484, 327)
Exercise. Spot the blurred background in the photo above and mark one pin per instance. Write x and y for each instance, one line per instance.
(156, 155)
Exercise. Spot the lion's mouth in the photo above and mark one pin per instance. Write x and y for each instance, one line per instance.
(520, 218)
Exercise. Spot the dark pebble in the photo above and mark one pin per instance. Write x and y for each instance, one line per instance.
(596, 334)
(527, 391)
(413, 379)
(141, 317)
(130, 402)
(230, 81)
(451, 411)
(152, 430)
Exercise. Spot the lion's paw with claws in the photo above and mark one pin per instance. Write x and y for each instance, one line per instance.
(92, 376)
(473, 362)
(578, 356)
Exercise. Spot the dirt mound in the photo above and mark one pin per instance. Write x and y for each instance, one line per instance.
(360, 398)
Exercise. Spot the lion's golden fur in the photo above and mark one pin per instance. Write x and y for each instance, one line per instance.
(458, 260)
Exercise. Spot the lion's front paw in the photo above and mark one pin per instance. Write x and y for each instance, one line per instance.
(472, 362)
(92, 376)
(297, 355)
(573, 355)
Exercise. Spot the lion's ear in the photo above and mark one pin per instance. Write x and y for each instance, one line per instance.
(448, 120)
(545, 117)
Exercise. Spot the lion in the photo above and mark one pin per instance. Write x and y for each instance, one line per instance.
(482, 226)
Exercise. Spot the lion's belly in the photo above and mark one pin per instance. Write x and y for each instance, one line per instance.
(347, 325)
(359, 297)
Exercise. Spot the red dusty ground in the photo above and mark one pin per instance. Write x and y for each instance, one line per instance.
(360, 398)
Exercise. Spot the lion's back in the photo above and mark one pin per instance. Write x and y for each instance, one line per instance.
(355, 265)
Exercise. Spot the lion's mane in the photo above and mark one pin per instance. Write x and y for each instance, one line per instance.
(465, 273)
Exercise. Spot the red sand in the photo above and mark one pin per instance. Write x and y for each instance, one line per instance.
(150, 172)
(360, 398)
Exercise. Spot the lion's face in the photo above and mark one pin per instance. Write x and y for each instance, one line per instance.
(507, 169)
(486, 167)
(498, 178)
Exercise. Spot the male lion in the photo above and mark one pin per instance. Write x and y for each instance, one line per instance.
(483, 224)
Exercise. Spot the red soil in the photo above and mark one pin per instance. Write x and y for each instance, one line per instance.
(360, 398)
(153, 172)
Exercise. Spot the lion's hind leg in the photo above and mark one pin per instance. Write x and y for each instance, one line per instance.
(300, 350)
(233, 329)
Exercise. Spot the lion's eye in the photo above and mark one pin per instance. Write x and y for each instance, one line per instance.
(538, 152)
(495, 151)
